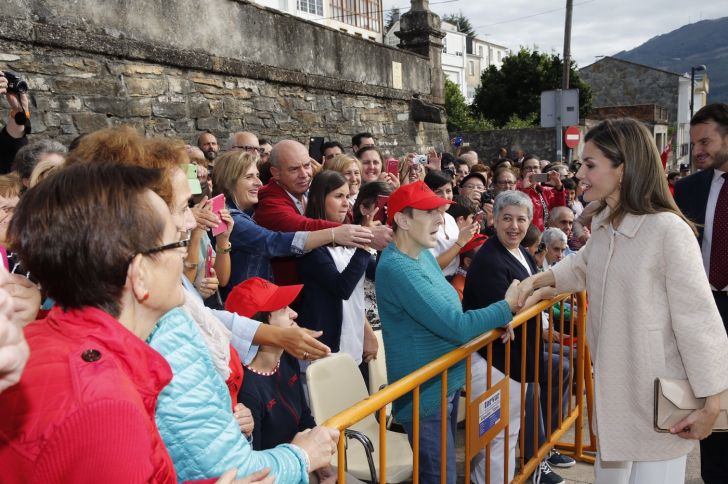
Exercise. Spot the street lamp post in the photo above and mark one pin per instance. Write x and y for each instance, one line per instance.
(692, 103)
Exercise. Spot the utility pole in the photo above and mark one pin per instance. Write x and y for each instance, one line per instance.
(564, 83)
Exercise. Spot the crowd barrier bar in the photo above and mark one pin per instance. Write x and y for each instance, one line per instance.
(377, 402)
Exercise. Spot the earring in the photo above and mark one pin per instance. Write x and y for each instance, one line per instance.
(144, 297)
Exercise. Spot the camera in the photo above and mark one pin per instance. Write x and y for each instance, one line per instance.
(488, 196)
(421, 159)
(16, 84)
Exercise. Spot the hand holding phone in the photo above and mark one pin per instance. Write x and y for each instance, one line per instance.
(539, 177)
(382, 206)
(393, 167)
(216, 205)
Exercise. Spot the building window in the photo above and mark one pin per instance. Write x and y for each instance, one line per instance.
(315, 7)
(490, 55)
(480, 51)
(365, 14)
(499, 55)
(471, 68)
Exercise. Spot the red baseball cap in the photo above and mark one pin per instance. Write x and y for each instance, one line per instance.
(255, 295)
(415, 195)
(476, 241)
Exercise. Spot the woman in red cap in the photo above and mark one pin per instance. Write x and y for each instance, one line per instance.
(422, 319)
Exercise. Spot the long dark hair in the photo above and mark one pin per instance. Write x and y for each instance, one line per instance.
(324, 183)
(368, 195)
(644, 188)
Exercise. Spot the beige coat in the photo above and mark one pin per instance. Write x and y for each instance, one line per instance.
(651, 314)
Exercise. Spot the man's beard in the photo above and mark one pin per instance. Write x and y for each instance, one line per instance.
(210, 155)
(720, 158)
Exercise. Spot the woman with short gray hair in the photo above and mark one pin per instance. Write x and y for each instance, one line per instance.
(513, 198)
(30, 155)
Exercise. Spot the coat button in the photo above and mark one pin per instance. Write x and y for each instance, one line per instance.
(91, 355)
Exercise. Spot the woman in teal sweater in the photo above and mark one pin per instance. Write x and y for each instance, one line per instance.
(422, 319)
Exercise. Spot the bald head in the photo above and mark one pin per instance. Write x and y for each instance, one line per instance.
(562, 218)
(291, 166)
(242, 140)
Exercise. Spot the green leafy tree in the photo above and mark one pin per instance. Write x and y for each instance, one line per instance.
(461, 22)
(459, 116)
(392, 17)
(514, 91)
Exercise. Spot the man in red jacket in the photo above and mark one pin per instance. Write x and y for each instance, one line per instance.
(282, 204)
(544, 198)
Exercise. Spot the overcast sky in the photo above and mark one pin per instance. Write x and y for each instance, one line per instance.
(599, 27)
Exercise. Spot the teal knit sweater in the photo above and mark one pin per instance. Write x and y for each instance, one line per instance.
(422, 319)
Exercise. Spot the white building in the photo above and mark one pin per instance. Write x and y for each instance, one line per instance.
(463, 58)
(362, 18)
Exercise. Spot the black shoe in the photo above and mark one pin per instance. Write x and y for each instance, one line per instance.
(559, 460)
(544, 475)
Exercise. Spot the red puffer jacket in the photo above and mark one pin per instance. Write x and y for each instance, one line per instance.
(84, 408)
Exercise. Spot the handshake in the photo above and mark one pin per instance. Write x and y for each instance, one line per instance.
(521, 295)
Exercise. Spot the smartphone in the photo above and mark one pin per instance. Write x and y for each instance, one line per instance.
(478, 218)
(539, 178)
(194, 182)
(217, 204)
(4, 254)
(208, 262)
(393, 167)
(382, 206)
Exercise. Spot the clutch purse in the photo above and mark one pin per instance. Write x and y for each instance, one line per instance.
(675, 400)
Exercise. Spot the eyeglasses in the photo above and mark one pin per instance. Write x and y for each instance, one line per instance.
(505, 183)
(250, 149)
(162, 248)
(474, 187)
(530, 168)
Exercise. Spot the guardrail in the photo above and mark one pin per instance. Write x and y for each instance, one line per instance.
(475, 440)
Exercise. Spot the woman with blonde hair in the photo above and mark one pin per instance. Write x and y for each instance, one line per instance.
(350, 167)
(651, 311)
(236, 176)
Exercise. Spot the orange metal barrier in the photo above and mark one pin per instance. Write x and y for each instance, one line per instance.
(581, 382)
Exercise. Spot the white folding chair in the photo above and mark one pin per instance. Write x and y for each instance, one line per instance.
(334, 384)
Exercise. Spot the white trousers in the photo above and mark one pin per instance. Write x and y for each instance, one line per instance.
(643, 472)
(478, 380)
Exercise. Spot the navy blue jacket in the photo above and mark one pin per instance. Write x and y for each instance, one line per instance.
(492, 271)
(277, 404)
(324, 289)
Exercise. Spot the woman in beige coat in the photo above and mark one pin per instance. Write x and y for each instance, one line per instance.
(651, 312)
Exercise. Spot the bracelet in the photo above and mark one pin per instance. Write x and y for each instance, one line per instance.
(190, 265)
(225, 250)
(458, 244)
(333, 238)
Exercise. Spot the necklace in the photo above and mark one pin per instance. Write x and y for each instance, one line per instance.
(265, 373)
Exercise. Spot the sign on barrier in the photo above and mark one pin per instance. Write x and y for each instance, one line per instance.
(491, 409)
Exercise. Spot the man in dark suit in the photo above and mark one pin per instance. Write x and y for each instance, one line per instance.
(703, 198)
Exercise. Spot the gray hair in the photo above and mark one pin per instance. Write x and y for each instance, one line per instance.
(553, 234)
(510, 198)
(28, 156)
(556, 212)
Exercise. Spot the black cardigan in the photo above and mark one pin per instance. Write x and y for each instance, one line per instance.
(324, 288)
(492, 271)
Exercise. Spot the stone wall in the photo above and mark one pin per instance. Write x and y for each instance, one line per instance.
(175, 68)
(538, 141)
(616, 82)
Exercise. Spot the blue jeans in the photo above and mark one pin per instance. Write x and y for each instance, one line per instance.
(430, 443)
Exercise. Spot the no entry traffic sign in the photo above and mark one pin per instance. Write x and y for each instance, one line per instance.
(572, 136)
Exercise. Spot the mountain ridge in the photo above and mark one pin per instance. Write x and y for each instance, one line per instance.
(700, 43)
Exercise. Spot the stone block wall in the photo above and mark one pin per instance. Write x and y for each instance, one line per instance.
(538, 141)
(93, 69)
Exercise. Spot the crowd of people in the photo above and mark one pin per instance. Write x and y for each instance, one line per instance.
(161, 301)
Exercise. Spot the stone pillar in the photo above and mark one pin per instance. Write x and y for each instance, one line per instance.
(419, 32)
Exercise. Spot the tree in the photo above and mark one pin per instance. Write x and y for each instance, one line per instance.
(515, 89)
(461, 22)
(392, 17)
(459, 116)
